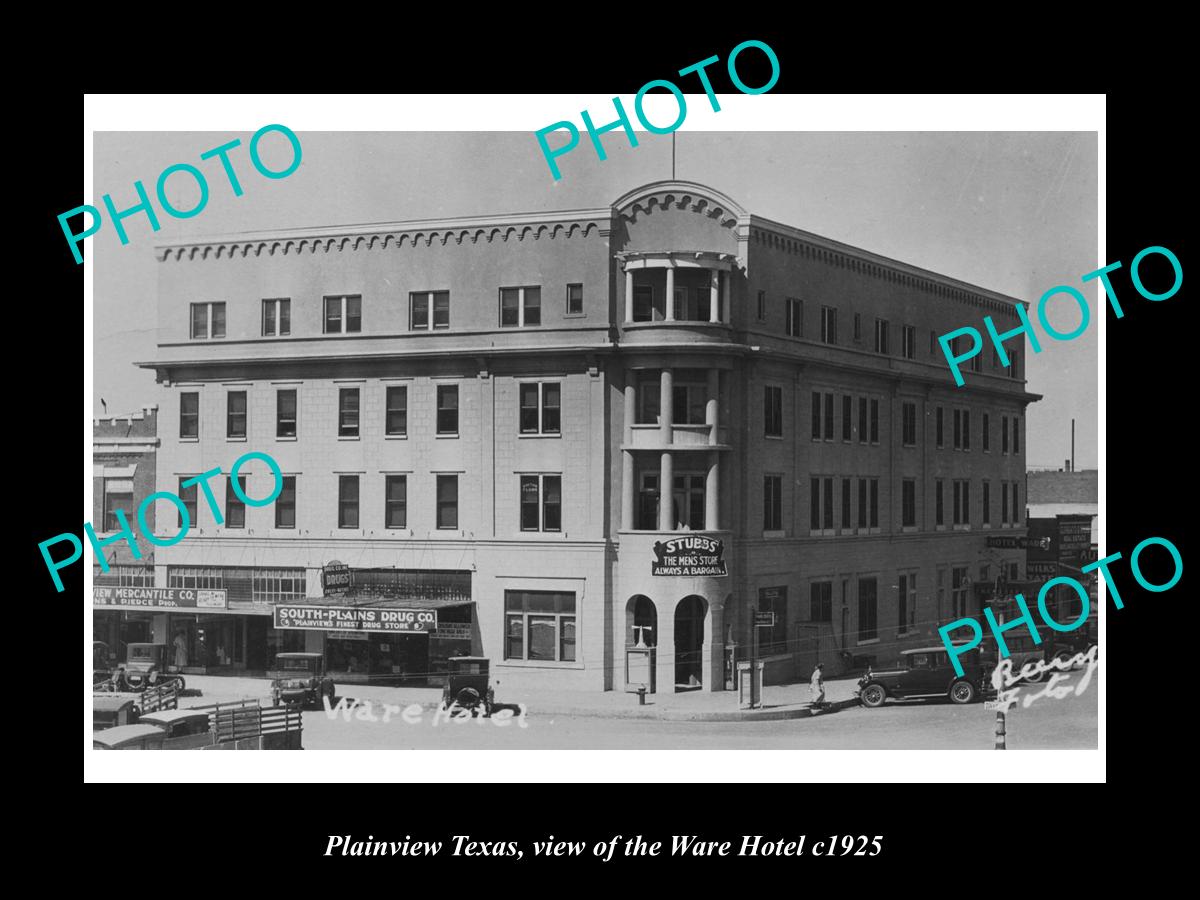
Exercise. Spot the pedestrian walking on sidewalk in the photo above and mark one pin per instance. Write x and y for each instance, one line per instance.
(816, 687)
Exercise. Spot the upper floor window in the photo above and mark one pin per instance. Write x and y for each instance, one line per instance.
(828, 325)
(574, 299)
(541, 503)
(447, 501)
(396, 413)
(395, 501)
(987, 432)
(118, 495)
(208, 320)
(795, 318)
(772, 503)
(874, 421)
(187, 513)
(1004, 434)
(520, 307)
(909, 414)
(773, 411)
(348, 412)
(189, 415)
(847, 417)
(343, 315)
(541, 407)
(429, 310)
(689, 395)
(285, 413)
(908, 341)
(235, 508)
(347, 501)
(858, 326)
(276, 317)
(285, 504)
(235, 415)
(447, 409)
(762, 305)
(939, 430)
(881, 336)
(1016, 429)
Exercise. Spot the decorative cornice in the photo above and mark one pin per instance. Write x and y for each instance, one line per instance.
(688, 195)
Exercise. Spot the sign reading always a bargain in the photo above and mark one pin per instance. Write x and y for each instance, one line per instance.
(158, 598)
(349, 618)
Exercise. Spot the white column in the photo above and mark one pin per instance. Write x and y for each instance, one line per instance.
(670, 293)
(714, 296)
(712, 489)
(628, 295)
(666, 492)
(711, 406)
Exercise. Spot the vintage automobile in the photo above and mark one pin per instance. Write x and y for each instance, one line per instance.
(129, 737)
(927, 672)
(467, 685)
(1022, 651)
(112, 710)
(179, 722)
(146, 666)
(300, 678)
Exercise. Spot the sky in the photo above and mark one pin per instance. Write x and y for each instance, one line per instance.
(1013, 212)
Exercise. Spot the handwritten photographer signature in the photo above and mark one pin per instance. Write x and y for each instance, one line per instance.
(1007, 696)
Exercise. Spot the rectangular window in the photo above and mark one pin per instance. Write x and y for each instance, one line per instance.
(208, 320)
(1004, 434)
(189, 416)
(541, 502)
(987, 502)
(762, 305)
(395, 501)
(863, 434)
(828, 325)
(858, 326)
(520, 307)
(772, 503)
(1016, 429)
(966, 429)
(881, 336)
(447, 409)
(574, 299)
(957, 485)
(962, 502)
(396, 410)
(933, 343)
(874, 421)
(1004, 503)
(347, 501)
(1016, 507)
(814, 490)
(118, 495)
(540, 407)
(902, 603)
(348, 412)
(847, 417)
(958, 429)
(908, 490)
(539, 625)
(795, 318)
(235, 414)
(343, 315)
(285, 413)
(1014, 363)
(958, 590)
(868, 610)
(429, 310)
(687, 498)
(644, 309)
(235, 509)
(939, 498)
(773, 640)
(846, 504)
(827, 503)
(908, 341)
(862, 504)
(977, 362)
(773, 411)
(447, 501)
(821, 601)
(689, 395)
(909, 416)
(816, 416)
(276, 317)
(285, 504)
(829, 417)
(940, 427)
(987, 433)
(188, 496)
(874, 502)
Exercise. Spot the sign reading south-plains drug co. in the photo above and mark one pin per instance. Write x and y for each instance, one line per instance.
(158, 598)
(693, 555)
(355, 618)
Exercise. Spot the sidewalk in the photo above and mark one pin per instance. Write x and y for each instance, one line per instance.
(781, 701)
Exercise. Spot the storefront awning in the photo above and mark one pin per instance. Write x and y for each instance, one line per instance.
(387, 602)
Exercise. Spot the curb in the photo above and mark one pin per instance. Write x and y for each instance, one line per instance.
(649, 713)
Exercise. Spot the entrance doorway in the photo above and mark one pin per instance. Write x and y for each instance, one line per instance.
(689, 643)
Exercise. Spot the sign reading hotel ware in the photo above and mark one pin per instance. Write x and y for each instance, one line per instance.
(362, 618)
(158, 598)
(693, 556)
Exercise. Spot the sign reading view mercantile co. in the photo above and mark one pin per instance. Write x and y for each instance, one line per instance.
(693, 555)
(354, 618)
(158, 598)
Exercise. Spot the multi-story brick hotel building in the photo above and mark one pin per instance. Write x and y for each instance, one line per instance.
(507, 420)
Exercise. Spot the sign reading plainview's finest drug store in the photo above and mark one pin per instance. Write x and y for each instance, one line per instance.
(693, 555)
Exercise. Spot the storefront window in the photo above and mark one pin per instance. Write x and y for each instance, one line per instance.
(539, 625)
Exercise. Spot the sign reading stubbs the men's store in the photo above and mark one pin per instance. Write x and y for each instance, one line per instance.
(350, 618)
(690, 556)
(158, 598)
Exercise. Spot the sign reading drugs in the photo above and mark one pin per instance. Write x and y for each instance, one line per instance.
(354, 618)
(158, 598)
(335, 578)
(693, 555)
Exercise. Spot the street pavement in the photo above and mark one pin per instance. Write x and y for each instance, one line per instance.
(397, 719)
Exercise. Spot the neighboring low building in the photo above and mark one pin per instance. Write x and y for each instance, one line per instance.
(1063, 493)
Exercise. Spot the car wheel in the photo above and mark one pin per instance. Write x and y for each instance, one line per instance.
(180, 685)
(962, 692)
(1063, 656)
(873, 695)
(329, 691)
(1036, 678)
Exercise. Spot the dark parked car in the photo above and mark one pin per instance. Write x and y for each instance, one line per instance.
(468, 685)
(146, 666)
(927, 672)
(300, 678)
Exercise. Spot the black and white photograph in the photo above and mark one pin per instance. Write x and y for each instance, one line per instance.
(402, 443)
